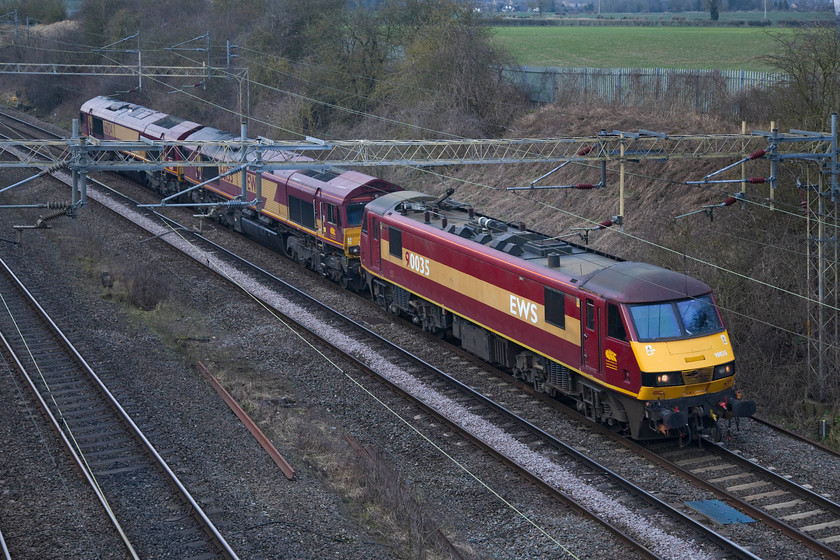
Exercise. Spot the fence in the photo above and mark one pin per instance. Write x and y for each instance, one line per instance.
(701, 90)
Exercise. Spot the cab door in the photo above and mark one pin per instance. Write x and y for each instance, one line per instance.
(374, 242)
(591, 333)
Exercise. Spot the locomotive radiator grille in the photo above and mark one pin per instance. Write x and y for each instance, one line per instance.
(401, 297)
(560, 377)
(692, 376)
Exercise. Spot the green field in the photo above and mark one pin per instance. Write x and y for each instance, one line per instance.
(772, 16)
(720, 48)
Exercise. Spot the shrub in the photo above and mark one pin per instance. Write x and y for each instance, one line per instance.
(146, 286)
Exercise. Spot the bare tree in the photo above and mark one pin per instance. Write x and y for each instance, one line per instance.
(810, 59)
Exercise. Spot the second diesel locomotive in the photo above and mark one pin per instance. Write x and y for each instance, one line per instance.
(311, 216)
(638, 347)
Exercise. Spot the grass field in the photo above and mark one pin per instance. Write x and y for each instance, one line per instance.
(721, 48)
(757, 15)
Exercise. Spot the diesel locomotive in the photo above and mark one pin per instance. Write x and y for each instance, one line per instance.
(637, 347)
(311, 216)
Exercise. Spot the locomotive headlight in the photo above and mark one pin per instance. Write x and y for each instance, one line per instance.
(354, 250)
(724, 370)
(665, 379)
(669, 379)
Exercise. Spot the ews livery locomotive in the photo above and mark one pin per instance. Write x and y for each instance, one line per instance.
(312, 216)
(638, 347)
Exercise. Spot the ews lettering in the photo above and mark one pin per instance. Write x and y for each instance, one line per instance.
(524, 309)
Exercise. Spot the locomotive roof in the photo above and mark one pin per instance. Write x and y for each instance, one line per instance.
(337, 184)
(154, 124)
(638, 282)
(210, 134)
(569, 263)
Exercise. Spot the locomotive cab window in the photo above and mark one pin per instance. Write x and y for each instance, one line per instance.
(333, 216)
(555, 308)
(98, 128)
(676, 319)
(355, 211)
(615, 325)
(395, 242)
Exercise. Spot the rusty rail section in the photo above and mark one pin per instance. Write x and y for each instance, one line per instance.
(248, 423)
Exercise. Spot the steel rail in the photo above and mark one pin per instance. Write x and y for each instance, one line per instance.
(126, 418)
(640, 548)
(755, 511)
(710, 535)
(795, 435)
(202, 517)
(67, 444)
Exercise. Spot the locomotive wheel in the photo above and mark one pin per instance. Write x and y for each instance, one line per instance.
(282, 247)
(438, 332)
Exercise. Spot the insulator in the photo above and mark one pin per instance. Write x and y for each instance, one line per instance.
(58, 205)
(443, 222)
(427, 216)
(56, 166)
(729, 201)
(490, 223)
(584, 151)
(757, 154)
(756, 180)
(42, 220)
(605, 224)
(584, 186)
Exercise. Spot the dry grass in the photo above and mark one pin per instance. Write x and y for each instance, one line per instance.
(373, 492)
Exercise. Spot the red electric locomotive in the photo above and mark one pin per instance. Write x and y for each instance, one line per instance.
(312, 216)
(638, 347)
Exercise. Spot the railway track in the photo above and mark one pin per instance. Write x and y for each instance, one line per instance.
(497, 422)
(149, 507)
(795, 510)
